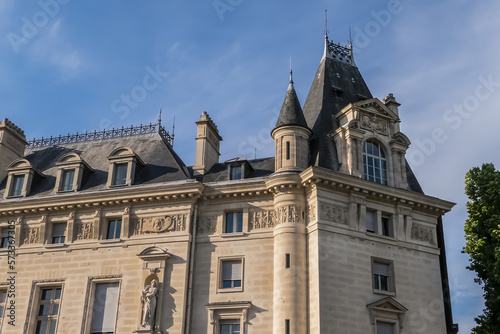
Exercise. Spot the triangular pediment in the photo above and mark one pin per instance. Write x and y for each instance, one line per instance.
(376, 107)
(387, 304)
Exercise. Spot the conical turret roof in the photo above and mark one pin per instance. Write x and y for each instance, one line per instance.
(291, 111)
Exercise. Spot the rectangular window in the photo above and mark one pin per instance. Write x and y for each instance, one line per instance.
(385, 328)
(235, 172)
(287, 150)
(386, 226)
(120, 174)
(48, 310)
(287, 260)
(371, 221)
(287, 326)
(104, 308)
(381, 276)
(4, 243)
(3, 303)
(229, 327)
(17, 185)
(114, 229)
(58, 233)
(231, 274)
(234, 222)
(67, 177)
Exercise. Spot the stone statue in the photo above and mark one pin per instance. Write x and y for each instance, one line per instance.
(148, 298)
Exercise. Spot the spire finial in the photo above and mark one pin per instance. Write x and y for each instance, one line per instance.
(159, 117)
(291, 72)
(350, 38)
(326, 23)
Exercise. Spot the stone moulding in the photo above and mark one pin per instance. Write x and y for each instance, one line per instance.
(31, 235)
(422, 233)
(207, 225)
(262, 219)
(85, 231)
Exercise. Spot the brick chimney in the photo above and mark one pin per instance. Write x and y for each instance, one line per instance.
(207, 144)
(12, 145)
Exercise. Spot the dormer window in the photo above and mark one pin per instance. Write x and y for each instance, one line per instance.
(238, 168)
(20, 177)
(374, 163)
(70, 173)
(235, 172)
(123, 163)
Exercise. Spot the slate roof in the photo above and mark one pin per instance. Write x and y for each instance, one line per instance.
(291, 111)
(162, 163)
(220, 171)
(335, 85)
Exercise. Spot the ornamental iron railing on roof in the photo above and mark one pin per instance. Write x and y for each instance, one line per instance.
(341, 52)
(104, 134)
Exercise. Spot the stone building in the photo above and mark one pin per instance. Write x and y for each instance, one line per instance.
(113, 233)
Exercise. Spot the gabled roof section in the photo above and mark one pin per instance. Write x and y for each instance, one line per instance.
(336, 84)
(374, 106)
(291, 111)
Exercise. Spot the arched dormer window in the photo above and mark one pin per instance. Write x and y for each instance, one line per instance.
(374, 162)
(122, 165)
(20, 177)
(70, 170)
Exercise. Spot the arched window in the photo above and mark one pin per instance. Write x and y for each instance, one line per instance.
(374, 163)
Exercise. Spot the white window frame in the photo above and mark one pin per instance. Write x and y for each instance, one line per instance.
(234, 222)
(220, 273)
(90, 298)
(106, 230)
(68, 162)
(390, 278)
(218, 312)
(382, 158)
(65, 235)
(34, 302)
(20, 167)
(123, 155)
(379, 215)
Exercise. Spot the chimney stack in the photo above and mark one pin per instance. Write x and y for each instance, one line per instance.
(12, 145)
(207, 145)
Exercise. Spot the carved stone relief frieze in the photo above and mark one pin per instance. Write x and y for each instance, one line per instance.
(422, 233)
(162, 224)
(289, 214)
(311, 212)
(373, 124)
(207, 225)
(261, 219)
(85, 231)
(333, 212)
(31, 235)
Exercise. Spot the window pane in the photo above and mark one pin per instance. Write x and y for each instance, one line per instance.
(46, 294)
(235, 172)
(44, 309)
(114, 229)
(229, 222)
(3, 296)
(120, 176)
(53, 324)
(67, 179)
(41, 327)
(55, 309)
(17, 185)
(58, 293)
(385, 226)
(371, 221)
(111, 229)
(118, 229)
(239, 221)
(381, 269)
(58, 231)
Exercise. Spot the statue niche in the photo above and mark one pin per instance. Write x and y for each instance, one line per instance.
(149, 298)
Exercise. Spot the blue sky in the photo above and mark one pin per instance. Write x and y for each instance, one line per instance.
(67, 66)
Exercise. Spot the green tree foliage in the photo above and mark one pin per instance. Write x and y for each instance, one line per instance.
(482, 234)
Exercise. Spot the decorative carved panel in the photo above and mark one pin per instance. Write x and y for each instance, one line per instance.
(85, 231)
(163, 224)
(332, 212)
(373, 124)
(311, 212)
(422, 233)
(261, 219)
(31, 235)
(289, 214)
(207, 225)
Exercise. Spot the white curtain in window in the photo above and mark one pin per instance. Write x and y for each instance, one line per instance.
(58, 229)
(105, 307)
(371, 220)
(231, 270)
(381, 269)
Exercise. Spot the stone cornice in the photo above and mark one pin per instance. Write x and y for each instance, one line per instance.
(174, 191)
(322, 177)
(234, 189)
